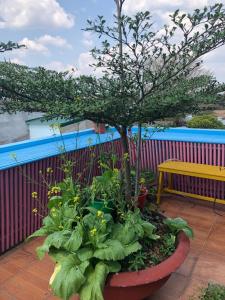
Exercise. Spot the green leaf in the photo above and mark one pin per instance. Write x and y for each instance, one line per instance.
(75, 240)
(54, 201)
(69, 278)
(131, 248)
(56, 239)
(85, 253)
(40, 232)
(189, 232)
(113, 250)
(95, 282)
(124, 234)
(114, 266)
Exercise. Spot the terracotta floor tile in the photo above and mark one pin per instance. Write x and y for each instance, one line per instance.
(174, 287)
(4, 275)
(210, 267)
(5, 296)
(188, 266)
(23, 290)
(24, 277)
(193, 288)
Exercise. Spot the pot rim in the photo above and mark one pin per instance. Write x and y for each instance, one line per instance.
(155, 273)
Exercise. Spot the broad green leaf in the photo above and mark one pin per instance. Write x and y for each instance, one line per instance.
(131, 248)
(95, 282)
(85, 253)
(69, 278)
(75, 240)
(56, 239)
(189, 232)
(58, 255)
(113, 250)
(114, 266)
(54, 201)
(124, 234)
(40, 232)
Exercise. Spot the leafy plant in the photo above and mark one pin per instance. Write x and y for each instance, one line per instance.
(178, 224)
(205, 121)
(106, 187)
(212, 292)
(87, 244)
(168, 244)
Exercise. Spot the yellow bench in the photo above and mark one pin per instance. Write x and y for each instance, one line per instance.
(188, 169)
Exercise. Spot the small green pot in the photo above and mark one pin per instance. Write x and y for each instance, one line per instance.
(100, 205)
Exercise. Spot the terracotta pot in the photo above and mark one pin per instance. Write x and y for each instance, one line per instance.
(99, 128)
(142, 198)
(141, 284)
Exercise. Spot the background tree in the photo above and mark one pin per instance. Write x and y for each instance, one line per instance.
(9, 46)
(145, 73)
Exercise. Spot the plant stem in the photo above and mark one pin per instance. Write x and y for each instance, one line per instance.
(138, 161)
(127, 173)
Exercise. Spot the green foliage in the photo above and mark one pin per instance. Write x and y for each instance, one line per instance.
(168, 245)
(178, 224)
(107, 186)
(87, 244)
(213, 292)
(137, 261)
(9, 46)
(205, 121)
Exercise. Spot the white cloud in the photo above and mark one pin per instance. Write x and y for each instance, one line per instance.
(40, 44)
(215, 62)
(57, 41)
(33, 13)
(84, 61)
(17, 61)
(133, 6)
(87, 39)
(60, 66)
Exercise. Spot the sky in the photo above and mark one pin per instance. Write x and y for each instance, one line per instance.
(53, 35)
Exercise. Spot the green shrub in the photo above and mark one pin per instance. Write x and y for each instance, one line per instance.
(213, 292)
(205, 121)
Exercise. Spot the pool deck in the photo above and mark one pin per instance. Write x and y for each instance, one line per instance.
(23, 277)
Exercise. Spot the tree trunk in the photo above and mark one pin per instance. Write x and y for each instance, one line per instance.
(138, 161)
(126, 163)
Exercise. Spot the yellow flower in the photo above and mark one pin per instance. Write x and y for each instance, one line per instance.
(53, 209)
(125, 156)
(142, 180)
(93, 231)
(76, 199)
(103, 221)
(99, 214)
(34, 210)
(55, 190)
(34, 195)
(49, 170)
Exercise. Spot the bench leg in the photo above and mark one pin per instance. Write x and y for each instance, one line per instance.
(160, 187)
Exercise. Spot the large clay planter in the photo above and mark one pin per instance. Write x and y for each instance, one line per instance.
(144, 283)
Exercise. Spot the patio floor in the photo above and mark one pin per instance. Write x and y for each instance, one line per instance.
(23, 277)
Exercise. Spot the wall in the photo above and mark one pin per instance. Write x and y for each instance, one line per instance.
(13, 127)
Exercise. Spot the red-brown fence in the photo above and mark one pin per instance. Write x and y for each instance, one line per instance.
(17, 183)
(17, 221)
(154, 152)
